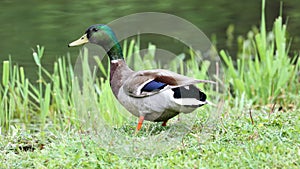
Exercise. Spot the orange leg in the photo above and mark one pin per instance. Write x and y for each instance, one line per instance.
(164, 123)
(140, 123)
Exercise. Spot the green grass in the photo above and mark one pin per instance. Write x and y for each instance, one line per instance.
(271, 142)
(263, 71)
(54, 123)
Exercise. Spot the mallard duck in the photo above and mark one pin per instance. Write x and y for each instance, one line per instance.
(154, 95)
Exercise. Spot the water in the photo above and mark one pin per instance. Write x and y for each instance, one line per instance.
(55, 23)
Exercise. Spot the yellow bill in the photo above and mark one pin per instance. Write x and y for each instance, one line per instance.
(80, 41)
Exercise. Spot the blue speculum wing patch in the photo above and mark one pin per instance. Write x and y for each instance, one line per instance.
(153, 85)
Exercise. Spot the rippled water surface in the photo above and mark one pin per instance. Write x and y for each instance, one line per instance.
(53, 24)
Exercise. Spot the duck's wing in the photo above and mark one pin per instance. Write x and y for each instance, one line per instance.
(150, 82)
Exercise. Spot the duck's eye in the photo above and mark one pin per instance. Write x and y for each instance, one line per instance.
(95, 29)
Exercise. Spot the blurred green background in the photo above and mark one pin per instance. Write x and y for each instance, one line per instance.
(53, 24)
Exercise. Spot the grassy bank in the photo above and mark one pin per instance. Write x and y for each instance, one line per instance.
(257, 127)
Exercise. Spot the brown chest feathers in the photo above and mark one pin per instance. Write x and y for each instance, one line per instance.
(119, 72)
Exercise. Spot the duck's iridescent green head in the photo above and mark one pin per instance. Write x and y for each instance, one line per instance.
(104, 36)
